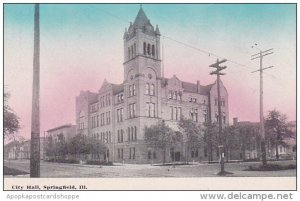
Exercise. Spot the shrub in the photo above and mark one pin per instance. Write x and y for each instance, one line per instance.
(99, 163)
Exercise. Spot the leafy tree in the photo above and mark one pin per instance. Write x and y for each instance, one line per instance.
(230, 140)
(78, 145)
(82, 144)
(211, 138)
(50, 148)
(61, 146)
(277, 129)
(191, 133)
(95, 147)
(11, 120)
(160, 136)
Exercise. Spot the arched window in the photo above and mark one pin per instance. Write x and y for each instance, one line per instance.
(128, 52)
(149, 49)
(135, 133)
(145, 48)
(152, 90)
(134, 50)
(147, 88)
(153, 50)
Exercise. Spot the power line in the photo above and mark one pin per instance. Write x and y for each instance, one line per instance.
(193, 47)
(187, 45)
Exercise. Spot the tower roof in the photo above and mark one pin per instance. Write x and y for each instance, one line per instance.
(141, 19)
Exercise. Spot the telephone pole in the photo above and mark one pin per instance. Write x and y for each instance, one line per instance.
(221, 146)
(35, 114)
(260, 56)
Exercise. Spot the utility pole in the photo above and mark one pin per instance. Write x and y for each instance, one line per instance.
(221, 146)
(35, 114)
(260, 55)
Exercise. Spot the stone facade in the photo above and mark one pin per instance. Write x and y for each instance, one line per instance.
(118, 113)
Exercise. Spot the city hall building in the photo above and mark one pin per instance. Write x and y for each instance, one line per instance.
(117, 114)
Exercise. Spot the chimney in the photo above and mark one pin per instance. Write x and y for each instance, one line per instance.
(235, 120)
(198, 86)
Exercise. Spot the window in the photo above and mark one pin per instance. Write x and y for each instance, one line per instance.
(193, 100)
(129, 53)
(130, 90)
(216, 102)
(194, 115)
(205, 152)
(131, 132)
(178, 113)
(97, 120)
(134, 50)
(150, 109)
(148, 49)
(133, 153)
(133, 90)
(154, 155)
(205, 115)
(153, 50)
(175, 95)
(132, 53)
(149, 155)
(107, 118)
(170, 94)
(132, 109)
(128, 134)
(180, 95)
(145, 48)
(152, 89)
(147, 88)
(120, 115)
(135, 133)
(120, 153)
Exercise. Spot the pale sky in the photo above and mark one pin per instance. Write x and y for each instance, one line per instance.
(83, 44)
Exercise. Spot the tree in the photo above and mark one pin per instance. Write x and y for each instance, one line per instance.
(160, 136)
(50, 148)
(61, 146)
(11, 120)
(277, 129)
(192, 134)
(211, 138)
(231, 140)
(78, 145)
(95, 147)
(82, 144)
